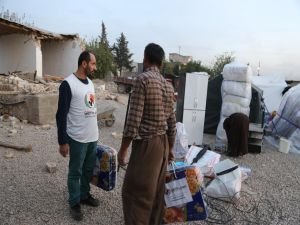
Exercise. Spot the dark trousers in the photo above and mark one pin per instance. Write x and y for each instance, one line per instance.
(81, 165)
(144, 183)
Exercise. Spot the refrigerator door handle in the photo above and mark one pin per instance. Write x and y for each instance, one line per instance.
(194, 117)
(195, 102)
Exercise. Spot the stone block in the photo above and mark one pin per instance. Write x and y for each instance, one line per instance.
(51, 167)
(9, 155)
(42, 108)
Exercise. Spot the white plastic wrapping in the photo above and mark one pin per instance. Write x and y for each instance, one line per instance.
(237, 72)
(181, 141)
(236, 95)
(244, 102)
(229, 108)
(228, 185)
(205, 163)
(240, 89)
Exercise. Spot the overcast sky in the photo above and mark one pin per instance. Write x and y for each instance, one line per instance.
(254, 30)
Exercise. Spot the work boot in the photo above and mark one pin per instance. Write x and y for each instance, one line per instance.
(90, 201)
(76, 212)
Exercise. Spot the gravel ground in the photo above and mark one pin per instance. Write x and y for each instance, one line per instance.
(31, 195)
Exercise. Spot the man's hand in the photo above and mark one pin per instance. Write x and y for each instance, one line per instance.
(171, 156)
(64, 150)
(122, 155)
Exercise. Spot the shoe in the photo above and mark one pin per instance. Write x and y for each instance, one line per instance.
(90, 201)
(76, 212)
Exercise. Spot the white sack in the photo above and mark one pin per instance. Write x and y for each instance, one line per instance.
(237, 72)
(229, 108)
(205, 163)
(226, 186)
(240, 89)
(244, 102)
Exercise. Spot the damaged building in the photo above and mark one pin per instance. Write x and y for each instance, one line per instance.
(28, 57)
(28, 49)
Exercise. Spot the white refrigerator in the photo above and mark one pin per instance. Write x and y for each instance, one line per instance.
(194, 106)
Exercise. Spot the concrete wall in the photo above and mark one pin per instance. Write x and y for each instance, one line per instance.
(20, 52)
(60, 57)
(37, 109)
(15, 105)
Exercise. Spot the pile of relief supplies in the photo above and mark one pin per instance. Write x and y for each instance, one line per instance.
(236, 95)
(196, 174)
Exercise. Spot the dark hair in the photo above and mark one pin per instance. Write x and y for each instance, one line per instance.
(154, 54)
(84, 56)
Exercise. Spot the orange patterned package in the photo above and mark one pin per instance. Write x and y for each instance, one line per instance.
(183, 195)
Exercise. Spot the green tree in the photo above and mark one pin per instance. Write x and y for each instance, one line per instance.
(100, 47)
(103, 36)
(177, 68)
(167, 68)
(105, 59)
(221, 61)
(194, 66)
(122, 56)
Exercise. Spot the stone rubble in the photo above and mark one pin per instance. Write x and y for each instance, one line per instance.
(9, 155)
(51, 167)
(13, 83)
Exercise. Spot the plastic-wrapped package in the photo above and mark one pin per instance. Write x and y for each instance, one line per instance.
(105, 170)
(229, 108)
(240, 89)
(236, 95)
(181, 141)
(244, 102)
(183, 196)
(206, 162)
(228, 181)
(237, 72)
